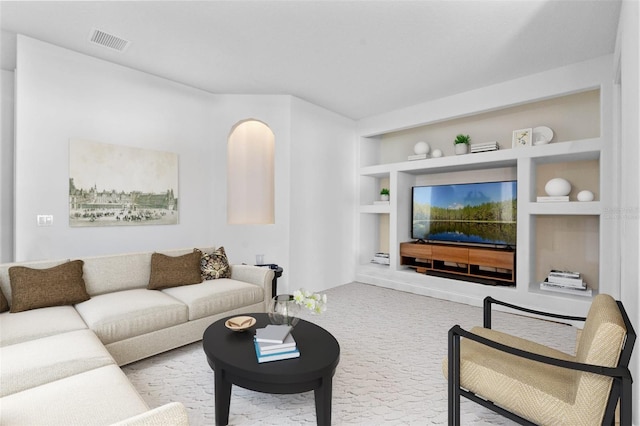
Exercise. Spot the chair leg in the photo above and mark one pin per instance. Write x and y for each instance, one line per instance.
(625, 402)
(454, 378)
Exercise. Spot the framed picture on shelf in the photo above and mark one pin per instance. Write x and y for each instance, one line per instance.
(521, 138)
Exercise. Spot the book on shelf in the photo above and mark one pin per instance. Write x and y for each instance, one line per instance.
(265, 348)
(566, 278)
(417, 157)
(568, 274)
(273, 333)
(476, 150)
(277, 356)
(547, 286)
(553, 199)
(567, 282)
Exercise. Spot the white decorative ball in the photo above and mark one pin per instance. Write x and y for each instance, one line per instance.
(585, 195)
(557, 187)
(436, 153)
(421, 148)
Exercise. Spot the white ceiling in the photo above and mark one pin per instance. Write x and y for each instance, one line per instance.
(357, 58)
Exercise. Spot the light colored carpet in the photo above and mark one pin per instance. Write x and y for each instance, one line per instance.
(392, 346)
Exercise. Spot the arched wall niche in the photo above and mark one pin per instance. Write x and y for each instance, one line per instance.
(250, 173)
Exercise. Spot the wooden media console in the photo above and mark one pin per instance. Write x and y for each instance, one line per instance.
(486, 265)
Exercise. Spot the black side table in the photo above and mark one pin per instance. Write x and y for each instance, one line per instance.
(277, 273)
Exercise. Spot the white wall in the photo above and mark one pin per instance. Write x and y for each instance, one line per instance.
(6, 166)
(628, 46)
(62, 95)
(323, 197)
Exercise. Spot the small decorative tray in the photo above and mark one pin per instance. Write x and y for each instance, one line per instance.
(240, 323)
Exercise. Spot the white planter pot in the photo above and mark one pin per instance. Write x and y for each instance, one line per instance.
(384, 197)
(461, 148)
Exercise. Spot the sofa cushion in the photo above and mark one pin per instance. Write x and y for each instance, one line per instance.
(172, 413)
(96, 397)
(123, 314)
(215, 265)
(40, 288)
(107, 274)
(214, 297)
(4, 304)
(37, 323)
(36, 362)
(172, 271)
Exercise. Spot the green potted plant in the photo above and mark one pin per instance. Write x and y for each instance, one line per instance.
(384, 194)
(461, 144)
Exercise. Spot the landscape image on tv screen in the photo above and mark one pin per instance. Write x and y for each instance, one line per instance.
(473, 213)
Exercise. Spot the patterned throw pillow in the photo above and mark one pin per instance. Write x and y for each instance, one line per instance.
(174, 271)
(4, 304)
(41, 288)
(215, 265)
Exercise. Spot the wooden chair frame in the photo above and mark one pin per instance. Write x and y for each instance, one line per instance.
(620, 390)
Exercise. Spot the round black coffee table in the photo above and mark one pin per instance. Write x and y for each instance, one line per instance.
(232, 357)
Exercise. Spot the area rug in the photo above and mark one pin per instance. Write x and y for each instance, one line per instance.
(392, 346)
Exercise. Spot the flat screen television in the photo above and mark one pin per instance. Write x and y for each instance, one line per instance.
(470, 213)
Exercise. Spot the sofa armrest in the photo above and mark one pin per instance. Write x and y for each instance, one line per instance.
(171, 414)
(262, 277)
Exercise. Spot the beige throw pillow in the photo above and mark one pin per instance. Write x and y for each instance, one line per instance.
(41, 288)
(174, 271)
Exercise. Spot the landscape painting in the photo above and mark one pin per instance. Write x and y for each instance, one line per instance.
(112, 185)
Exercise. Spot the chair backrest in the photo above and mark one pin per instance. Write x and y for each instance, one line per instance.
(601, 343)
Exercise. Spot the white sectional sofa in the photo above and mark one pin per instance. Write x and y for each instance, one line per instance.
(60, 364)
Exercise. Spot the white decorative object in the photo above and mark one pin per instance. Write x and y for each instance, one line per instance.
(437, 153)
(384, 197)
(585, 195)
(542, 135)
(421, 148)
(461, 148)
(557, 187)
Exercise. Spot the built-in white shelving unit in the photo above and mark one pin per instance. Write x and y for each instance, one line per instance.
(568, 235)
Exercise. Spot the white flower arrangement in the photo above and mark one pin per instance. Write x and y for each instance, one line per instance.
(315, 302)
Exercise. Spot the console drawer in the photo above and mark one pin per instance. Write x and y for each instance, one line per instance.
(450, 254)
(496, 259)
(419, 251)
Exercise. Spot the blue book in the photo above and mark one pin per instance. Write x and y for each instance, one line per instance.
(276, 356)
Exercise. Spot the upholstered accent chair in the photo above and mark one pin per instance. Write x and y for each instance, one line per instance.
(533, 384)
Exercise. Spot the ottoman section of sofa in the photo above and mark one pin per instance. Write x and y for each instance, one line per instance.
(28, 325)
(216, 296)
(124, 314)
(97, 397)
(29, 364)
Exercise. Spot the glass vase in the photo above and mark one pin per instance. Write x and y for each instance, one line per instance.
(284, 310)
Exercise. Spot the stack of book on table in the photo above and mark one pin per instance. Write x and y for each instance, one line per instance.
(275, 342)
(566, 282)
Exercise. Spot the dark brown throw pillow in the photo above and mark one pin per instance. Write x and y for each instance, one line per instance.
(41, 288)
(215, 265)
(174, 271)
(4, 304)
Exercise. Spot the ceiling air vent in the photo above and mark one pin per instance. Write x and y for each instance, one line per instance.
(107, 40)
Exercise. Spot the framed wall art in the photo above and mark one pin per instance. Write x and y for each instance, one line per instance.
(111, 185)
(521, 138)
